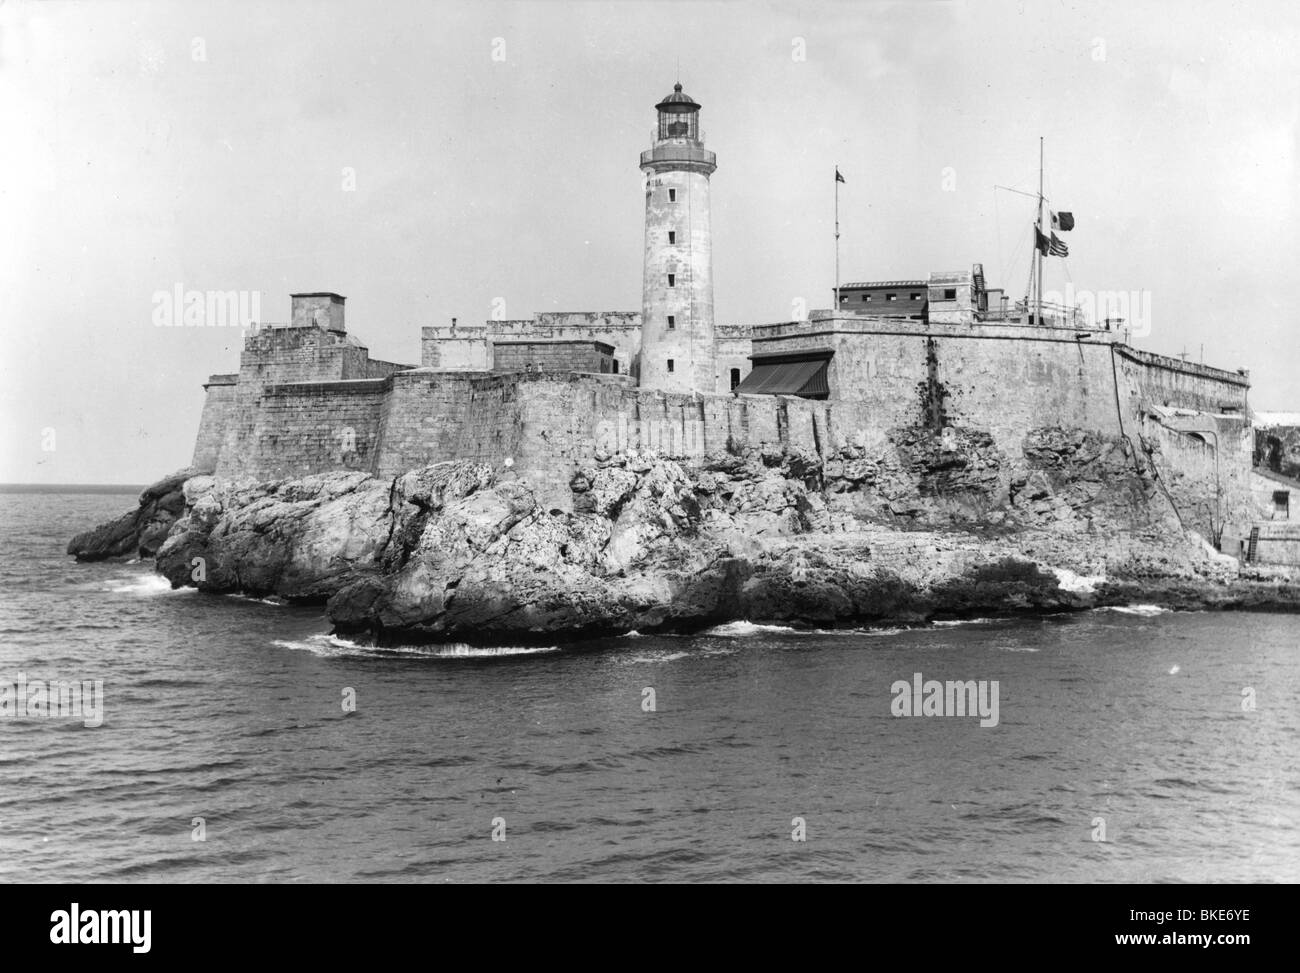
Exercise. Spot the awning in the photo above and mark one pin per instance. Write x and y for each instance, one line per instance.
(795, 374)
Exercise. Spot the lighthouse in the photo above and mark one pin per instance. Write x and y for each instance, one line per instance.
(677, 344)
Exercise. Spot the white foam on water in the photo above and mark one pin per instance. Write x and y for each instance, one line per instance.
(1084, 584)
(657, 657)
(272, 600)
(326, 645)
(954, 622)
(667, 655)
(1145, 610)
(1174, 671)
(742, 629)
(144, 585)
(333, 645)
(458, 650)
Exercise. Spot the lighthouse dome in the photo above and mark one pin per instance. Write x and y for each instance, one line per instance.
(678, 101)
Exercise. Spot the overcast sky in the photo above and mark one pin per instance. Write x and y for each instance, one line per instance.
(494, 150)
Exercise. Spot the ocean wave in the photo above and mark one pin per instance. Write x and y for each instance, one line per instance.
(146, 585)
(670, 655)
(333, 645)
(271, 600)
(1145, 610)
(1079, 583)
(657, 657)
(954, 622)
(742, 629)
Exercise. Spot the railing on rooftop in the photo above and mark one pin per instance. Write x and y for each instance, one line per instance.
(670, 152)
(1053, 315)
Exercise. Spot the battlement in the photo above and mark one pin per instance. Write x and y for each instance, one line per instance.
(472, 347)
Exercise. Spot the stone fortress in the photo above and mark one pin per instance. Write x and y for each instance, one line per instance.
(944, 359)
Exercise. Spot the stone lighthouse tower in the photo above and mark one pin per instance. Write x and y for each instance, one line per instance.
(677, 348)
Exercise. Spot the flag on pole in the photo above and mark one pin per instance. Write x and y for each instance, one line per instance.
(838, 177)
(1051, 247)
(1063, 221)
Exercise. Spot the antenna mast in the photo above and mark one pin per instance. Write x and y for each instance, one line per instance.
(1038, 236)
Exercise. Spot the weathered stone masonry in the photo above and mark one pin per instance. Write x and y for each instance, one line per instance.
(291, 412)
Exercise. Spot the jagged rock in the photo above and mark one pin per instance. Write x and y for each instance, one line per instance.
(930, 524)
(140, 532)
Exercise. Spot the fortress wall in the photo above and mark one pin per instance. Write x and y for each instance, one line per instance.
(469, 347)
(276, 356)
(455, 347)
(220, 403)
(1208, 482)
(1171, 382)
(430, 417)
(1001, 385)
(548, 424)
(298, 429)
(1006, 383)
(552, 355)
(1207, 474)
(357, 363)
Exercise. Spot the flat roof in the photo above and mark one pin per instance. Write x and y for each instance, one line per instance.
(883, 283)
(338, 297)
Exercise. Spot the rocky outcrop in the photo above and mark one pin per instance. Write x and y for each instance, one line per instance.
(935, 525)
(139, 532)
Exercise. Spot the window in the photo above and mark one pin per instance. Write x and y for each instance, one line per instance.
(672, 280)
(913, 297)
(891, 297)
(672, 322)
(866, 297)
(670, 364)
(735, 378)
(950, 294)
(614, 370)
(672, 236)
(672, 195)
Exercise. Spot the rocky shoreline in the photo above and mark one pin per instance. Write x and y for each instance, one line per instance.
(936, 528)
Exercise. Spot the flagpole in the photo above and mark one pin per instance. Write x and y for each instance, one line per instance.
(837, 238)
(1039, 278)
